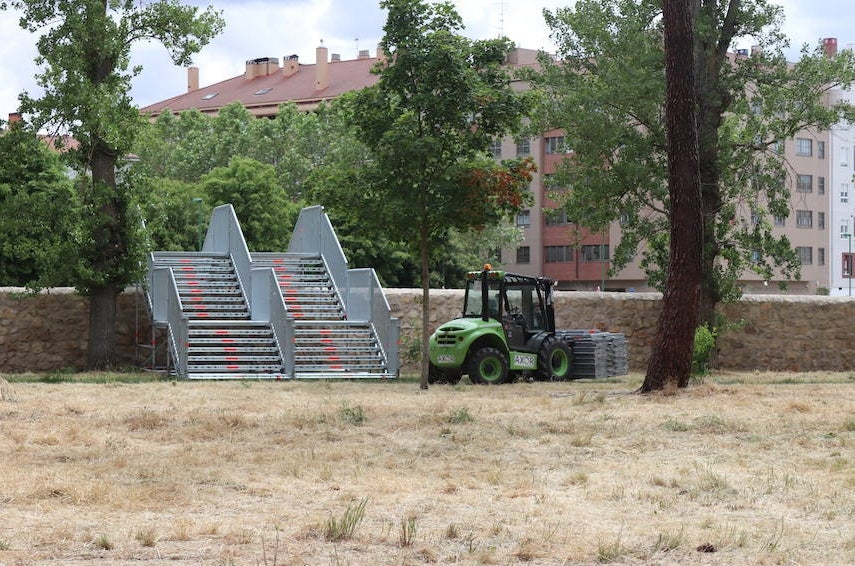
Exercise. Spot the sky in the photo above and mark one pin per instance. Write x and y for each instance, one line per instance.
(267, 28)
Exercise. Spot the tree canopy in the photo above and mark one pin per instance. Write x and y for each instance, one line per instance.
(607, 91)
(37, 211)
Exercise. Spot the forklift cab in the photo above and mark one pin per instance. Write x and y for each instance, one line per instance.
(518, 302)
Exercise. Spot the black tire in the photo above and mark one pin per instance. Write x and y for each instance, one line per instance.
(554, 360)
(488, 365)
(438, 375)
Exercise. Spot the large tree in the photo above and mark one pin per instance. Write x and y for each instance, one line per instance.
(608, 92)
(84, 49)
(38, 208)
(428, 122)
(671, 356)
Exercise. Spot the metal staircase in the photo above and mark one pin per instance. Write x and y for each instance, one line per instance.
(229, 314)
(222, 341)
(326, 344)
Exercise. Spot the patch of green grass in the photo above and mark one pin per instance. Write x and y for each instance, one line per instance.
(70, 376)
(343, 528)
(459, 416)
(104, 542)
(675, 426)
(407, 535)
(352, 415)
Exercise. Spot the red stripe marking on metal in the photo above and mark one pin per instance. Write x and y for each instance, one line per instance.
(230, 349)
(221, 332)
(232, 359)
(228, 340)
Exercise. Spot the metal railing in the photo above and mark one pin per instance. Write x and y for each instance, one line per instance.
(225, 236)
(314, 234)
(269, 305)
(369, 303)
(166, 307)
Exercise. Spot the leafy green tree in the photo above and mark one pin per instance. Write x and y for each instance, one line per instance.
(265, 213)
(85, 53)
(440, 100)
(176, 213)
(38, 208)
(607, 92)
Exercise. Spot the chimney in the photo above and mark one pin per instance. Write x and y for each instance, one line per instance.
(290, 66)
(15, 118)
(756, 50)
(261, 67)
(192, 79)
(335, 58)
(364, 54)
(322, 71)
(829, 47)
(381, 55)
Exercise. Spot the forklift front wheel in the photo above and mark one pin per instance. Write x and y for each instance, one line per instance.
(488, 365)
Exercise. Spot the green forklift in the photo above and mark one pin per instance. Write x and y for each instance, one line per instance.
(506, 333)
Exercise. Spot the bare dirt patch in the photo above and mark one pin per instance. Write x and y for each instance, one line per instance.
(746, 469)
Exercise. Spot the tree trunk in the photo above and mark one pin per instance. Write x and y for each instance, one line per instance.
(110, 247)
(425, 260)
(102, 327)
(670, 362)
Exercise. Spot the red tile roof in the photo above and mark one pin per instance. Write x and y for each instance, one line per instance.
(343, 76)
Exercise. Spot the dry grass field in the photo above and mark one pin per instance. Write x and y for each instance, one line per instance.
(743, 469)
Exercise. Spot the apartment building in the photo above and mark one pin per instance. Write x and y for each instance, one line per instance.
(819, 174)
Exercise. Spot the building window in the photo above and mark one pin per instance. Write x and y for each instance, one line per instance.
(262, 91)
(496, 148)
(847, 265)
(524, 218)
(844, 193)
(820, 220)
(780, 221)
(210, 95)
(804, 147)
(756, 256)
(755, 218)
(844, 157)
(844, 231)
(820, 185)
(556, 217)
(820, 149)
(820, 256)
(599, 252)
(804, 218)
(804, 183)
(805, 254)
(523, 147)
(558, 254)
(523, 254)
(555, 145)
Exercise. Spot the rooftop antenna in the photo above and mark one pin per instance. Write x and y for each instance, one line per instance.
(356, 39)
(501, 18)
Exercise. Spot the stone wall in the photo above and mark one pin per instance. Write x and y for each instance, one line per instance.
(780, 332)
(48, 332)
